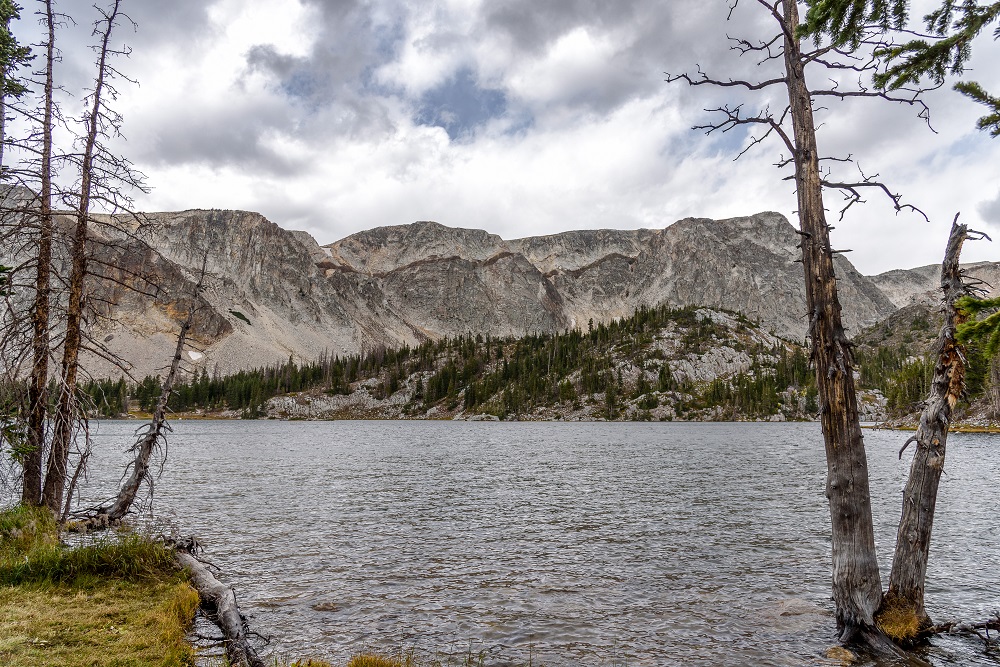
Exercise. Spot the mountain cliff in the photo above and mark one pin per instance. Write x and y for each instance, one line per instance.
(273, 293)
(922, 286)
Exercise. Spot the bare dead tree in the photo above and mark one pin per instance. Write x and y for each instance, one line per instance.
(97, 166)
(903, 615)
(64, 262)
(857, 589)
(139, 471)
(38, 382)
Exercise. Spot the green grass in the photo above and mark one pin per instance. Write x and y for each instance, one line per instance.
(30, 553)
(119, 602)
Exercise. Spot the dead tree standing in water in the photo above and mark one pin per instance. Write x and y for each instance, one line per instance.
(903, 616)
(857, 588)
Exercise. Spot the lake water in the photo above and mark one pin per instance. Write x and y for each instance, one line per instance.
(555, 543)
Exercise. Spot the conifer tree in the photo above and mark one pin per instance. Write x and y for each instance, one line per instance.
(12, 57)
(953, 27)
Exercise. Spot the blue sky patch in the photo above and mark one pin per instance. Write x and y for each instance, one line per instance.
(459, 105)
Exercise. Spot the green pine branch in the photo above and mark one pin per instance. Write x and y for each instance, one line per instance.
(954, 26)
(910, 62)
(985, 330)
(991, 121)
(848, 21)
(12, 54)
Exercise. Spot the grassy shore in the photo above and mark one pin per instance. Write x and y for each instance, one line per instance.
(953, 428)
(118, 602)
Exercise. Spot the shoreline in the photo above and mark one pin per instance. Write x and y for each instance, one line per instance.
(958, 427)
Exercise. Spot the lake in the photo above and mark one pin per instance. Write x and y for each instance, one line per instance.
(555, 543)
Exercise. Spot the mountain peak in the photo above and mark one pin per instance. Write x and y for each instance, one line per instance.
(281, 294)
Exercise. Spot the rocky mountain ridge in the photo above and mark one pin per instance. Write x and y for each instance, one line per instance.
(273, 293)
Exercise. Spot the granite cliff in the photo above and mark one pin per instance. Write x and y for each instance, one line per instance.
(273, 293)
(922, 286)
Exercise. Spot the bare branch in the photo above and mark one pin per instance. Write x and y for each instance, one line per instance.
(852, 194)
(704, 80)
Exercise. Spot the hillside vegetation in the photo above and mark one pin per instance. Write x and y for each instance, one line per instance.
(660, 364)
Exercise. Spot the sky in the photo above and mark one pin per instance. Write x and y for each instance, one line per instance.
(520, 117)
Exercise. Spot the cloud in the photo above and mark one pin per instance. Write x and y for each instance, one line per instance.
(534, 26)
(514, 116)
(990, 210)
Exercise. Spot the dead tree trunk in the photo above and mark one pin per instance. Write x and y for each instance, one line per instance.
(104, 517)
(857, 589)
(144, 448)
(154, 433)
(56, 471)
(219, 601)
(903, 616)
(31, 490)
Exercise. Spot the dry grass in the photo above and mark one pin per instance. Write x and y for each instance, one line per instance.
(374, 660)
(113, 624)
(899, 622)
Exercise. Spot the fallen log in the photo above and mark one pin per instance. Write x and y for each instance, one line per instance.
(219, 603)
(971, 628)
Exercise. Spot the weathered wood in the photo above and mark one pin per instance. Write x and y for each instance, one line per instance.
(857, 589)
(972, 628)
(31, 490)
(219, 602)
(103, 517)
(154, 431)
(66, 413)
(904, 602)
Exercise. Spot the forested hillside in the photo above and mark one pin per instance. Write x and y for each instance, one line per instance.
(660, 364)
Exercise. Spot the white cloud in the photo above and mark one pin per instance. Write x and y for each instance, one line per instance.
(319, 133)
(288, 25)
(567, 70)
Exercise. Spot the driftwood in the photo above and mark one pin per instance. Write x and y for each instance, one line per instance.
(154, 433)
(981, 630)
(219, 602)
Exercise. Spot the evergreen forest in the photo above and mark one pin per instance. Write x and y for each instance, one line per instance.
(644, 367)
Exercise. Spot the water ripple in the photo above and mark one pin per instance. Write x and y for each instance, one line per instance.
(565, 544)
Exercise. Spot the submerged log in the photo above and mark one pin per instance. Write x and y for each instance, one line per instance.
(219, 602)
(981, 629)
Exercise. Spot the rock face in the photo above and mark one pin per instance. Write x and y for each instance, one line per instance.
(272, 293)
(921, 286)
(449, 281)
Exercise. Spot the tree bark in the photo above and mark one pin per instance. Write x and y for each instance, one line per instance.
(31, 490)
(56, 471)
(220, 601)
(144, 448)
(857, 589)
(903, 616)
